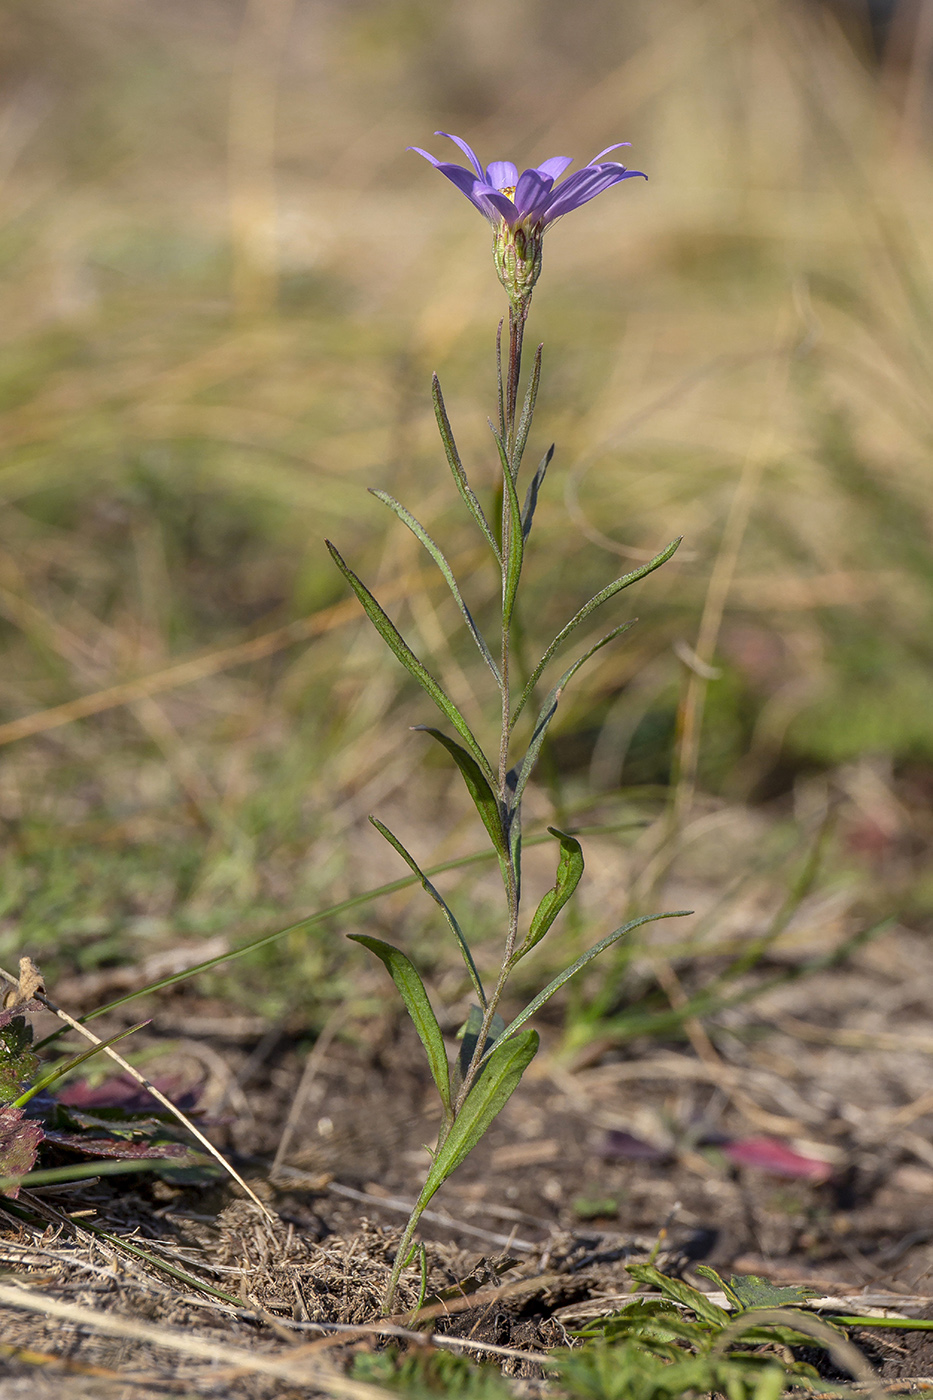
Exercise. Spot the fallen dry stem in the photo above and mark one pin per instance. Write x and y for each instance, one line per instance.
(291, 1370)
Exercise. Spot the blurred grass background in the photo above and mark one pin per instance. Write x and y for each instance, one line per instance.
(225, 284)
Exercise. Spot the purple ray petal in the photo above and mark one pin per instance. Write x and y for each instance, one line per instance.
(427, 154)
(531, 193)
(582, 191)
(467, 151)
(465, 180)
(618, 146)
(554, 166)
(488, 198)
(502, 175)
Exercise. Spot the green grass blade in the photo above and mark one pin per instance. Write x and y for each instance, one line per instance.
(397, 644)
(442, 904)
(516, 540)
(531, 495)
(421, 533)
(345, 906)
(595, 602)
(528, 410)
(456, 467)
(54, 1075)
(505, 1066)
(549, 710)
(569, 871)
(411, 988)
(580, 963)
(81, 1171)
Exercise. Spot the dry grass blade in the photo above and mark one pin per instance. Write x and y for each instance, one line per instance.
(296, 1372)
(150, 1089)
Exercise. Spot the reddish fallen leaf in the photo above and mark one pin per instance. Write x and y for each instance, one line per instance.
(771, 1155)
(115, 1147)
(19, 1143)
(123, 1092)
(619, 1143)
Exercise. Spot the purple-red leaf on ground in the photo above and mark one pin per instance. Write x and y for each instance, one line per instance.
(115, 1147)
(19, 1143)
(123, 1092)
(770, 1155)
(619, 1143)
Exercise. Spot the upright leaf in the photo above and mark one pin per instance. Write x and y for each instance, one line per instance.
(574, 968)
(397, 644)
(504, 1068)
(596, 601)
(421, 533)
(531, 495)
(549, 710)
(569, 871)
(403, 974)
(456, 467)
(484, 799)
(516, 541)
(455, 928)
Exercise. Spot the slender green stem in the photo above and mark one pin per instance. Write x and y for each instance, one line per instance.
(401, 1258)
(508, 386)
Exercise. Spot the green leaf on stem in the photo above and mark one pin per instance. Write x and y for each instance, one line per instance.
(549, 710)
(421, 533)
(403, 974)
(484, 798)
(528, 409)
(456, 467)
(455, 928)
(575, 967)
(531, 495)
(515, 539)
(505, 1066)
(596, 601)
(397, 644)
(569, 871)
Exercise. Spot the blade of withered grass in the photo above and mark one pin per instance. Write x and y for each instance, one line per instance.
(302, 1372)
(150, 1088)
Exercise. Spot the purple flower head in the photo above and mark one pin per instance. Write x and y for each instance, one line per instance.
(521, 207)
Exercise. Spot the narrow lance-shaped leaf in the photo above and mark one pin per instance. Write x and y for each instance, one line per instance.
(397, 644)
(596, 601)
(512, 571)
(484, 798)
(421, 533)
(504, 1068)
(531, 495)
(574, 968)
(528, 410)
(403, 974)
(569, 871)
(455, 928)
(549, 710)
(456, 467)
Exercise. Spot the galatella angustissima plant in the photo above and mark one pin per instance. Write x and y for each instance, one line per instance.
(493, 1055)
